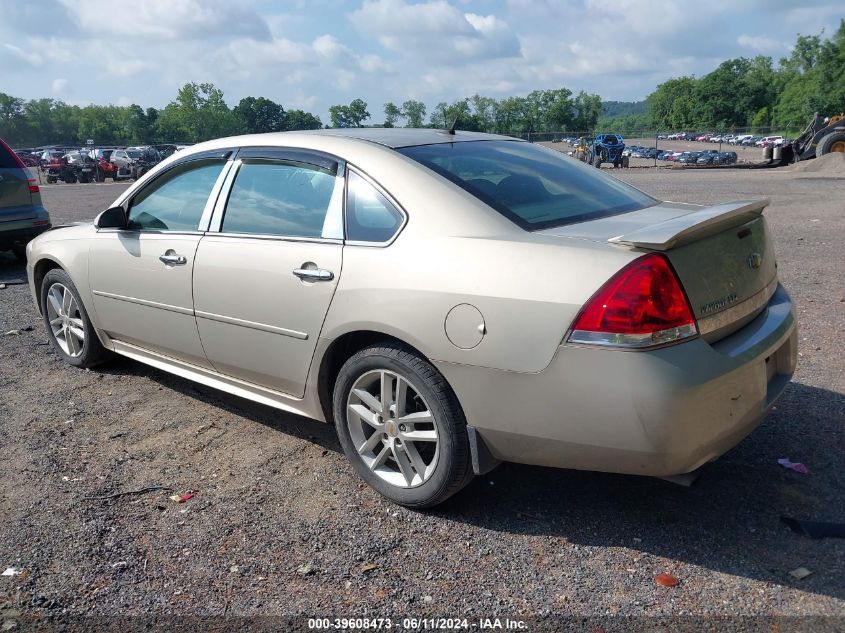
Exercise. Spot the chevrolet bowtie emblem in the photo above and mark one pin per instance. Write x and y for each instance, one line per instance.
(754, 260)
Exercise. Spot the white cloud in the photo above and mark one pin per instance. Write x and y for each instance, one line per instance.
(167, 19)
(436, 29)
(59, 86)
(761, 44)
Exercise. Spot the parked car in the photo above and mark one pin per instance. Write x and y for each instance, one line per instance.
(769, 140)
(737, 140)
(638, 351)
(124, 160)
(49, 156)
(725, 158)
(27, 158)
(705, 158)
(22, 216)
(688, 158)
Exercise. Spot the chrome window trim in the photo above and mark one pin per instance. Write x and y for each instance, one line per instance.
(275, 238)
(358, 171)
(334, 226)
(152, 231)
(211, 203)
(223, 197)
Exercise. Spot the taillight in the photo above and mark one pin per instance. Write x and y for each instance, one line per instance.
(33, 187)
(642, 305)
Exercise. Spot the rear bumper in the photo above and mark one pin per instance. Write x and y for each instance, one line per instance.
(661, 412)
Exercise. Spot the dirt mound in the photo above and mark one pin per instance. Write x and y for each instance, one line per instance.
(832, 164)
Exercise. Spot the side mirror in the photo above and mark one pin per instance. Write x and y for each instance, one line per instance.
(112, 218)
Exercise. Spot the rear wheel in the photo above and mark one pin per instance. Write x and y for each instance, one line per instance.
(833, 142)
(401, 426)
(68, 326)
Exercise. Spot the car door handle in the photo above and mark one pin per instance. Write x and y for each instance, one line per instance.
(314, 274)
(171, 259)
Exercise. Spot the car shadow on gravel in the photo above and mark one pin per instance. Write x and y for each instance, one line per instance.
(288, 423)
(728, 521)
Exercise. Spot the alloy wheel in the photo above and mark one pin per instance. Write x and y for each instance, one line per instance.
(392, 428)
(65, 320)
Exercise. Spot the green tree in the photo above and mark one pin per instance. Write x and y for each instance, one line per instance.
(14, 127)
(260, 115)
(483, 112)
(352, 115)
(586, 109)
(413, 112)
(301, 120)
(199, 113)
(392, 112)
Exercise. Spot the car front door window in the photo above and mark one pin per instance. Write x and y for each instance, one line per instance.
(175, 200)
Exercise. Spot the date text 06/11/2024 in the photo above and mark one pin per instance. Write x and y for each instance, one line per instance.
(416, 624)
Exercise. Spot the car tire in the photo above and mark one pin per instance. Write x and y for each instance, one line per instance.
(833, 142)
(65, 318)
(416, 473)
(597, 162)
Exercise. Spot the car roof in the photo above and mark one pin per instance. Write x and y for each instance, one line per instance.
(406, 137)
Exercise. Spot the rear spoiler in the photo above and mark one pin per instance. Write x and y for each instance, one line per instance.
(692, 226)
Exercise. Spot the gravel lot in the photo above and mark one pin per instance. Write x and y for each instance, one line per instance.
(280, 525)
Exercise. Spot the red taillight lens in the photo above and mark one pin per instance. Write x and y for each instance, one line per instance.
(640, 306)
(33, 185)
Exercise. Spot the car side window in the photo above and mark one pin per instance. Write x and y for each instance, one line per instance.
(274, 198)
(370, 216)
(175, 200)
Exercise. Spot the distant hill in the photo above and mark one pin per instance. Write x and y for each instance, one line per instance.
(622, 108)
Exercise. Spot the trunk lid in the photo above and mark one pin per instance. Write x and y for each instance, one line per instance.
(722, 254)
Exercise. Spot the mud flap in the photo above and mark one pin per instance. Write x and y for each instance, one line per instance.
(482, 459)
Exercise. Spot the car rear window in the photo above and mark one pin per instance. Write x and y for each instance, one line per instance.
(533, 186)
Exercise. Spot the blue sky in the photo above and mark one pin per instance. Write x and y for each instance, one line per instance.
(313, 54)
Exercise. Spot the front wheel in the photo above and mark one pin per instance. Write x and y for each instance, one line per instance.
(401, 426)
(68, 326)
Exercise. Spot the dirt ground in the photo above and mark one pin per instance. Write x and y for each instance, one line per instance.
(279, 524)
